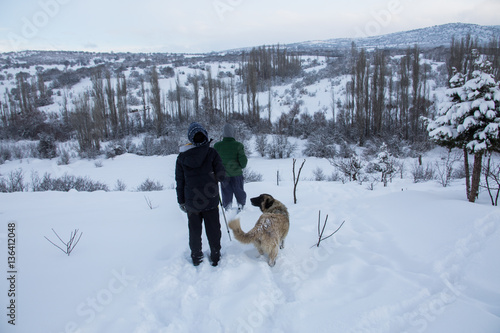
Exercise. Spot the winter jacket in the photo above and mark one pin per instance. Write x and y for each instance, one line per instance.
(233, 156)
(197, 171)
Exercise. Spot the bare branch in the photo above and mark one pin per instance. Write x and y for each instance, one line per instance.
(320, 233)
(71, 244)
(149, 202)
(333, 233)
(296, 179)
(54, 244)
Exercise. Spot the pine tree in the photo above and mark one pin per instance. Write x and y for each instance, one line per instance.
(470, 117)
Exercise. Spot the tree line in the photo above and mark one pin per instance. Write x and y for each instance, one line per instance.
(385, 97)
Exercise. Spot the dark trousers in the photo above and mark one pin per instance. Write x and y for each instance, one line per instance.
(212, 229)
(233, 186)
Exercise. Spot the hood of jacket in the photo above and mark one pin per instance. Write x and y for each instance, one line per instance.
(193, 156)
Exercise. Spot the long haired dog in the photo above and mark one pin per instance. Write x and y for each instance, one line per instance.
(268, 234)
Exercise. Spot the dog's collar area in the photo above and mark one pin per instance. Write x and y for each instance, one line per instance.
(279, 211)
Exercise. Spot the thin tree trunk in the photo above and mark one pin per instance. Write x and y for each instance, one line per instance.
(467, 173)
(476, 177)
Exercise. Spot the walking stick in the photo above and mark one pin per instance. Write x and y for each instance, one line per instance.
(225, 220)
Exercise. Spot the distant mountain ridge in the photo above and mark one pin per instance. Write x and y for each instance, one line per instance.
(435, 36)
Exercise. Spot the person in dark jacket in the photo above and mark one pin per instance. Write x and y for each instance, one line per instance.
(198, 170)
(234, 159)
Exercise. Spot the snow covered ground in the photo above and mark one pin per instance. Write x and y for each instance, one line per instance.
(409, 258)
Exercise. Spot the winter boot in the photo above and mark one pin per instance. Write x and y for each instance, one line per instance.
(215, 257)
(197, 258)
(240, 208)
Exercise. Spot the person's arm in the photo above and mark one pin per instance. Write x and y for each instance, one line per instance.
(218, 167)
(180, 181)
(242, 158)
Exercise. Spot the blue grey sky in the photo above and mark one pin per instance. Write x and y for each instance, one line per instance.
(217, 25)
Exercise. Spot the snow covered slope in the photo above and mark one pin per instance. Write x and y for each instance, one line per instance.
(409, 258)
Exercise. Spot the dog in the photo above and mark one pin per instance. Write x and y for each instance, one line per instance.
(268, 234)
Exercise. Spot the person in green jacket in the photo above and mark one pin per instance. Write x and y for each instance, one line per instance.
(234, 160)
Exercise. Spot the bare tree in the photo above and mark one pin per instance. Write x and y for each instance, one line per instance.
(491, 172)
(155, 99)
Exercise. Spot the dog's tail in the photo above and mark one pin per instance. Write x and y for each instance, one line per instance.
(238, 233)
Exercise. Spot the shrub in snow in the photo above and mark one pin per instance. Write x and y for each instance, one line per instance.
(5, 154)
(261, 144)
(65, 183)
(280, 147)
(120, 186)
(13, 183)
(421, 173)
(334, 177)
(319, 175)
(152, 146)
(150, 185)
(115, 150)
(320, 145)
(385, 164)
(64, 158)
(251, 177)
(345, 151)
(46, 146)
(349, 167)
(445, 167)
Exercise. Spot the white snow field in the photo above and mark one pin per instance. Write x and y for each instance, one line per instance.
(409, 258)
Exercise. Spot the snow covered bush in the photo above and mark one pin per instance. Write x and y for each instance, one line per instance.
(422, 174)
(150, 185)
(280, 147)
(46, 146)
(14, 182)
(115, 149)
(120, 186)
(319, 175)
(152, 146)
(250, 176)
(385, 164)
(320, 144)
(349, 167)
(261, 144)
(445, 168)
(64, 157)
(65, 183)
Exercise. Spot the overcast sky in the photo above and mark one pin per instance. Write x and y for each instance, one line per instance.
(217, 25)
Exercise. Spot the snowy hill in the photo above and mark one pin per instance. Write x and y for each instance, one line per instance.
(430, 37)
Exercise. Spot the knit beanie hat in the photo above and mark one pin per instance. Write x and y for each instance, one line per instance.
(197, 135)
(228, 131)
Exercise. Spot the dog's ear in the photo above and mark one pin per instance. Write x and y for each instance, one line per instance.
(269, 202)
